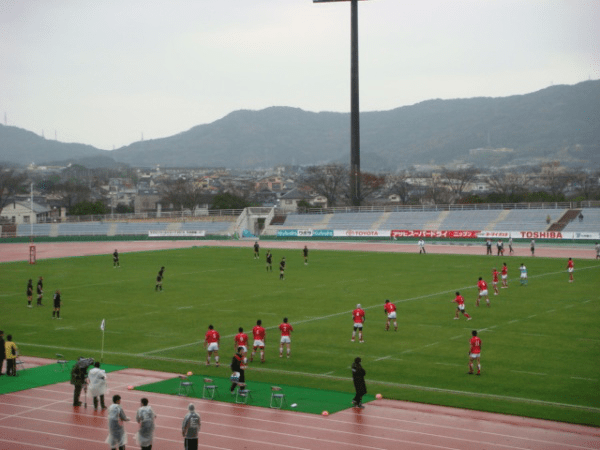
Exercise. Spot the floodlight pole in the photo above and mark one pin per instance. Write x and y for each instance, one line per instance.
(354, 110)
(355, 197)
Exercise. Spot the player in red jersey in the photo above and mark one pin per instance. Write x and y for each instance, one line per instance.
(475, 353)
(286, 339)
(358, 316)
(259, 334)
(460, 306)
(390, 310)
(504, 276)
(483, 291)
(211, 343)
(570, 269)
(241, 340)
(495, 274)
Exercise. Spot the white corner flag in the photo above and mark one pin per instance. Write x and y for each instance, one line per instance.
(102, 324)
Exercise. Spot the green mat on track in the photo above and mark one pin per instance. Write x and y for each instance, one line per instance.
(313, 401)
(29, 378)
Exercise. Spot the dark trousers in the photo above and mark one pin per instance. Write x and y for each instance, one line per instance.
(1, 364)
(101, 403)
(190, 444)
(149, 447)
(77, 393)
(11, 367)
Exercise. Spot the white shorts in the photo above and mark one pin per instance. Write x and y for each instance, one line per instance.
(286, 340)
(474, 355)
(494, 283)
(244, 349)
(259, 343)
(523, 276)
(213, 347)
(483, 293)
(571, 269)
(504, 277)
(392, 315)
(358, 325)
(461, 307)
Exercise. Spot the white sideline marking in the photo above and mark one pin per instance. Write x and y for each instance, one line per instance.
(513, 321)
(531, 317)
(585, 379)
(529, 373)
(185, 307)
(381, 359)
(316, 375)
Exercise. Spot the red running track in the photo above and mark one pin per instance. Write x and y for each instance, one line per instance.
(43, 418)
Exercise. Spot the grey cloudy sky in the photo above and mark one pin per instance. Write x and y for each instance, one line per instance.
(102, 72)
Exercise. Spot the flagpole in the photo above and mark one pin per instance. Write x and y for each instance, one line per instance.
(102, 325)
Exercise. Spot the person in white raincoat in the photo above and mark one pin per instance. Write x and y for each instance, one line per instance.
(145, 417)
(117, 437)
(97, 385)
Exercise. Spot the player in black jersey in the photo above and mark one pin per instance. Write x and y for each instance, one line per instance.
(256, 249)
(269, 261)
(116, 259)
(29, 293)
(282, 269)
(40, 291)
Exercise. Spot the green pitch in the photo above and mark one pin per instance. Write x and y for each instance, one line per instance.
(541, 342)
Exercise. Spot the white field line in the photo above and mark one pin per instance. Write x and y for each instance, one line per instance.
(338, 378)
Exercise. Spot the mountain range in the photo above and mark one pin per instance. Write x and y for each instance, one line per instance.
(557, 123)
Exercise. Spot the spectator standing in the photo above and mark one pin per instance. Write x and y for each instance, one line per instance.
(421, 244)
(145, 417)
(97, 385)
(2, 350)
(190, 429)
(238, 370)
(358, 377)
(117, 438)
(10, 349)
(488, 247)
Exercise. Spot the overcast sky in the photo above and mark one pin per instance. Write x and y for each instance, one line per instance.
(102, 72)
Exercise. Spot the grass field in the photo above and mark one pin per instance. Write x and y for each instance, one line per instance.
(541, 343)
